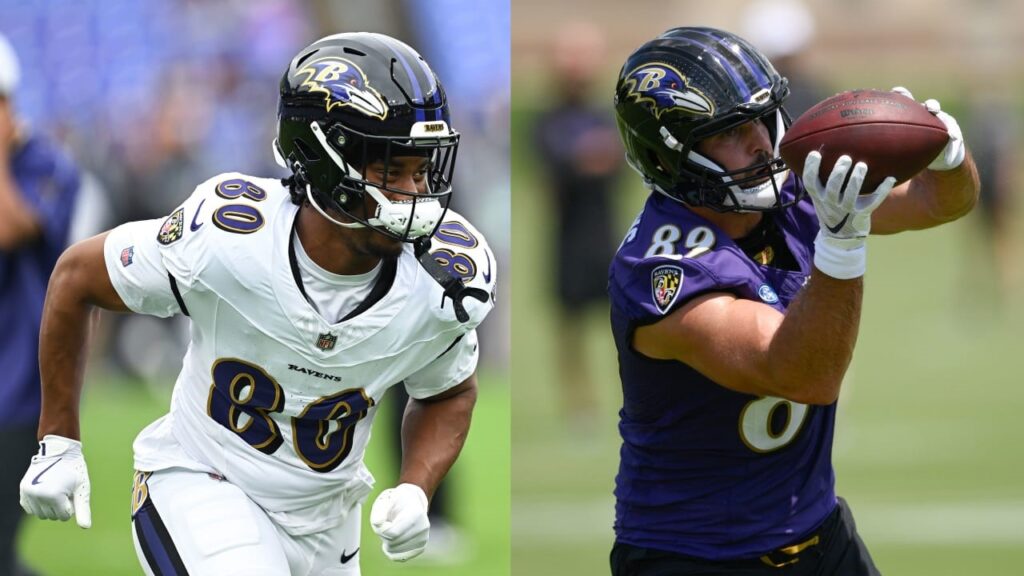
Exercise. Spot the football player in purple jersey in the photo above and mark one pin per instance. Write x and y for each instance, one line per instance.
(736, 297)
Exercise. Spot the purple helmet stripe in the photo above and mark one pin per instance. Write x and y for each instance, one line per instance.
(432, 88)
(726, 65)
(755, 70)
(416, 92)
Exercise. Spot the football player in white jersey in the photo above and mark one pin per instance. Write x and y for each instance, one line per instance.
(308, 298)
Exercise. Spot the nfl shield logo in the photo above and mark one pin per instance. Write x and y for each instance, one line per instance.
(665, 282)
(326, 341)
(127, 255)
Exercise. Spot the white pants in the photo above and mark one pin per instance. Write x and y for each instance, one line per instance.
(186, 522)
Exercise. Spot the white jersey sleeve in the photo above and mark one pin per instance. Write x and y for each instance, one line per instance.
(149, 260)
(137, 271)
(449, 369)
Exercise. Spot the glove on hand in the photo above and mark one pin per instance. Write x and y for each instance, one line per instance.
(844, 215)
(399, 517)
(954, 152)
(56, 478)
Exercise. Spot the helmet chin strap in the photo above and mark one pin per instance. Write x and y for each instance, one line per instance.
(410, 219)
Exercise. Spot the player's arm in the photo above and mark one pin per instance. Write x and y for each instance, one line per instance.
(57, 481)
(433, 432)
(79, 283)
(750, 347)
(944, 192)
(434, 429)
(802, 355)
(929, 199)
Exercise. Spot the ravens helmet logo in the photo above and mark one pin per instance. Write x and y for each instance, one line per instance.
(343, 84)
(666, 89)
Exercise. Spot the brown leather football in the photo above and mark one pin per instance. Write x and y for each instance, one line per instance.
(892, 134)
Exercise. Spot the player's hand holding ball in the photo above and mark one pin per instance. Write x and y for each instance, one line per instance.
(57, 482)
(953, 154)
(399, 517)
(844, 214)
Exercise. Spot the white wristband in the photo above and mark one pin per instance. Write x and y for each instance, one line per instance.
(840, 259)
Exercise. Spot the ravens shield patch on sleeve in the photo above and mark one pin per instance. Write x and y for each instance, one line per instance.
(665, 283)
(172, 228)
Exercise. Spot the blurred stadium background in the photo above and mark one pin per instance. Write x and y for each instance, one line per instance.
(153, 97)
(928, 443)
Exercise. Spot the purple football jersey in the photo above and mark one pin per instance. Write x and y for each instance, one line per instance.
(706, 471)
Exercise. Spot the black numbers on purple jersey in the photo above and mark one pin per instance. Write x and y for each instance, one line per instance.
(239, 218)
(322, 434)
(242, 397)
(455, 263)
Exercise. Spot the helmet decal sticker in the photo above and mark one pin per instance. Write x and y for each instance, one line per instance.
(666, 89)
(343, 84)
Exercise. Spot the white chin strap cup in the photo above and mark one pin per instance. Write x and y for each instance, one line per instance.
(393, 216)
(424, 212)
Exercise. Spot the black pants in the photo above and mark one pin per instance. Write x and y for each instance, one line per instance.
(834, 549)
(18, 445)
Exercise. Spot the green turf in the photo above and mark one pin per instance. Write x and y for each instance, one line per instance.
(927, 448)
(114, 412)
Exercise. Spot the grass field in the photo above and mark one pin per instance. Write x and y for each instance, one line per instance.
(928, 442)
(114, 412)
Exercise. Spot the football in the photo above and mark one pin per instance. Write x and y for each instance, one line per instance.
(894, 135)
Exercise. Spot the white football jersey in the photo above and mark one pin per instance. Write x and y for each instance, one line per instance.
(272, 396)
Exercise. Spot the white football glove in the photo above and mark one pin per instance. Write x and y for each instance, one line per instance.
(56, 478)
(844, 215)
(399, 517)
(953, 154)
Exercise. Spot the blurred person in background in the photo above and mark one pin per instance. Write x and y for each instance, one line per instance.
(308, 297)
(151, 98)
(783, 31)
(736, 301)
(38, 188)
(582, 160)
(995, 129)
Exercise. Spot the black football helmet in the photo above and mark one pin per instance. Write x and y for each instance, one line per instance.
(689, 84)
(350, 100)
